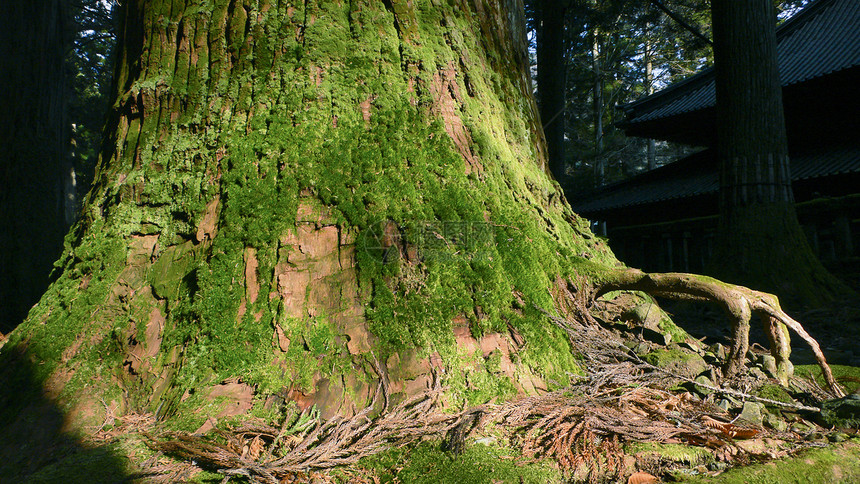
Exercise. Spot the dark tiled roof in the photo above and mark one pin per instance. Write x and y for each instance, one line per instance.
(822, 39)
(697, 175)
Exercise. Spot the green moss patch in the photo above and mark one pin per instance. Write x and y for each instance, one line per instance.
(677, 361)
(658, 455)
(479, 463)
(838, 463)
(847, 376)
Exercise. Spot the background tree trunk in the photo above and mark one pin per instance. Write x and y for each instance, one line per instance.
(597, 108)
(34, 148)
(552, 81)
(651, 150)
(760, 241)
(295, 201)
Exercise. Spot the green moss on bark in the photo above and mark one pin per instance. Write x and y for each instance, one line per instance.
(222, 133)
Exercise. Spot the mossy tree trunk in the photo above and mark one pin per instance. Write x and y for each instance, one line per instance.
(761, 243)
(298, 199)
(34, 158)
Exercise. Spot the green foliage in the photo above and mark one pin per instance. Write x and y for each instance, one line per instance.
(89, 65)
(671, 453)
(627, 35)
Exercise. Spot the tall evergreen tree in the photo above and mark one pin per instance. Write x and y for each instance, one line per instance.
(34, 147)
(305, 202)
(759, 232)
(552, 80)
(90, 68)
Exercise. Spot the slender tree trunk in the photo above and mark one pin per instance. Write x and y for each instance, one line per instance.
(33, 152)
(597, 108)
(649, 89)
(759, 231)
(552, 84)
(296, 201)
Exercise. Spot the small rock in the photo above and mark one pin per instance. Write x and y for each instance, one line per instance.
(677, 362)
(642, 348)
(758, 374)
(774, 422)
(768, 362)
(719, 350)
(704, 380)
(752, 412)
(712, 359)
(754, 446)
(842, 412)
(692, 346)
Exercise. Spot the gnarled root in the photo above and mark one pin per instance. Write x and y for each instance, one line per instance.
(739, 302)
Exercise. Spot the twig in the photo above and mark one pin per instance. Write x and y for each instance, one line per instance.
(683, 23)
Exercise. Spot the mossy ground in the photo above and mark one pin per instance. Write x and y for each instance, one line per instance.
(478, 464)
(848, 376)
(832, 464)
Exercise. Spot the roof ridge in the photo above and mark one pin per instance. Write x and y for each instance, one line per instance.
(797, 20)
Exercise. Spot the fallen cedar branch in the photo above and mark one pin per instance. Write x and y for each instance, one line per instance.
(581, 425)
(266, 454)
(576, 429)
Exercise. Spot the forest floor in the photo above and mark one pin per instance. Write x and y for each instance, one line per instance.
(631, 419)
(608, 427)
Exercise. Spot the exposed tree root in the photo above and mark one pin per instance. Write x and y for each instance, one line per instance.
(739, 302)
(622, 399)
(612, 365)
(266, 454)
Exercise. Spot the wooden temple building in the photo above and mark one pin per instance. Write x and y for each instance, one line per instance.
(666, 219)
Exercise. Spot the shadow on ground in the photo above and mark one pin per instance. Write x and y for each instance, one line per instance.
(836, 328)
(34, 445)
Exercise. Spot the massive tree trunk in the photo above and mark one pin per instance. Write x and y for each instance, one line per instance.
(33, 152)
(297, 199)
(761, 243)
